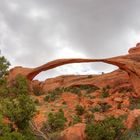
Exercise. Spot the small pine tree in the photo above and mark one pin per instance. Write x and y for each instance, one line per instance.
(4, 65)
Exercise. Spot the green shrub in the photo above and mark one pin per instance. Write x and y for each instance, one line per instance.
(79, 110)
(56, 122)
(76, 119)
(16, 105)
(4, 90)
(102, 107)
(109, 129)
(105, 92)
(46, 98)
(20, 86)
(4, 65)
(53, 95)
(94, 109)
(88, 88)
(8, 132)
(20, 110)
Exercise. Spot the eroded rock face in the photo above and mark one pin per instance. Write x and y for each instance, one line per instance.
(129, 63)
(75, 132)
(133, 118)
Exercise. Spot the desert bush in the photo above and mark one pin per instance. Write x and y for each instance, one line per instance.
(96, 108)
(88, 88)
(79, 110)
(16, 106)
(53, 95)
(102, 107)
(55, 122)
(109, 129)
(20, 110)
(76, 119)
(105, 92)
(4, 65)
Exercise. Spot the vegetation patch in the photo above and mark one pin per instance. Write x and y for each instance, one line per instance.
(76, 119)
(126, 89)
(134, 103)
(55, 122)
(109, 129)
(79, 110)
(96, 108)
(105, 92)
(54, 94)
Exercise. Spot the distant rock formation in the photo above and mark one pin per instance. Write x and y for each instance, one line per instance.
(129, 63)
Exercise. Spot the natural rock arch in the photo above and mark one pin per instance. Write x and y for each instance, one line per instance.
(129, 63)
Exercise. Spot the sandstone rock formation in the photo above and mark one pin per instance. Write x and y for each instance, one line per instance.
(129, 63)
(75, 132)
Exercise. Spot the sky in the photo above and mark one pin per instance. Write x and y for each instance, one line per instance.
(33, 32)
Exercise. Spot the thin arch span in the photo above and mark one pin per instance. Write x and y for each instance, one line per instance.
(60, 62)
(130, 63)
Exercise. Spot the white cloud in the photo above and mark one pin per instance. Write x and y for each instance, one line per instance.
(35, 32)
(37, 14)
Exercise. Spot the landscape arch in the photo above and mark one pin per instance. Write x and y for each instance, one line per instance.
(130, 63)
